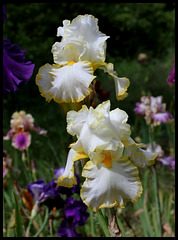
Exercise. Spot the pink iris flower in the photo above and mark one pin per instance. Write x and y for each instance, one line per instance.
(153, 109)
(21, 123)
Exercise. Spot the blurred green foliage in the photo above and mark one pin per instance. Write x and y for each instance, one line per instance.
(132, 27)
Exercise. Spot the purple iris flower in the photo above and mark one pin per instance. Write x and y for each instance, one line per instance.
(15, 69)
(169, 161)
(47, 194)
(153, 109)
(163, 117)
(76, 211)
(36, 188)
(74, 214)
(171, 79)
(67, 229)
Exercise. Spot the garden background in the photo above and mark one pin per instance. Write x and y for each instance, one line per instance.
(133, 28)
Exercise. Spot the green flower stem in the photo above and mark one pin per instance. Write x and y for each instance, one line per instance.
(103, 223)
(28, 157)
(151, 137)
(44, 223)
(92, 224)
(29, 225)
(155, 185)
(29, 163)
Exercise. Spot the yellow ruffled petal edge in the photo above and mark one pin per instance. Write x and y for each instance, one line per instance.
(115, 204)
(122, 94)
(59, 100)
(39, 77)
(70, 181)
(121, 97)
(48, 96)
(67, 182)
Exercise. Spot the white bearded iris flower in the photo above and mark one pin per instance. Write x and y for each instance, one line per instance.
(102, 135)
(80, 52)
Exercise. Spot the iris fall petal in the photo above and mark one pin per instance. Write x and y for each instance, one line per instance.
(109, 187)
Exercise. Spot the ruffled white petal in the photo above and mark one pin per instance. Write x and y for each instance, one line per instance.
(87, 27)
(66, 51)
(71, 82)
(43, 80)
(68, 179)
(138, 156)
(109, 187)
(118, 119)
(121, 84)
(60, 30)
(97, 133)
(76, 120)
(98, 129)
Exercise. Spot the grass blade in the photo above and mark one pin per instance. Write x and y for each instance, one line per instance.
(4, 220)
(158, 209)
(92, 225)
(18, 223)
(44, 223)
(103, 223)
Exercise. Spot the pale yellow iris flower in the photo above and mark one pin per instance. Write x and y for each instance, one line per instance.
(112, 175)
(80, 52)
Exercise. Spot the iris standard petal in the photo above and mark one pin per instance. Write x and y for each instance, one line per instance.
(87, 27)
(101, 138)
(67, 51)
(21, 121)
(105, 129)
(76, 120)
(109, 187)
(118, 119)
(60, 30)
